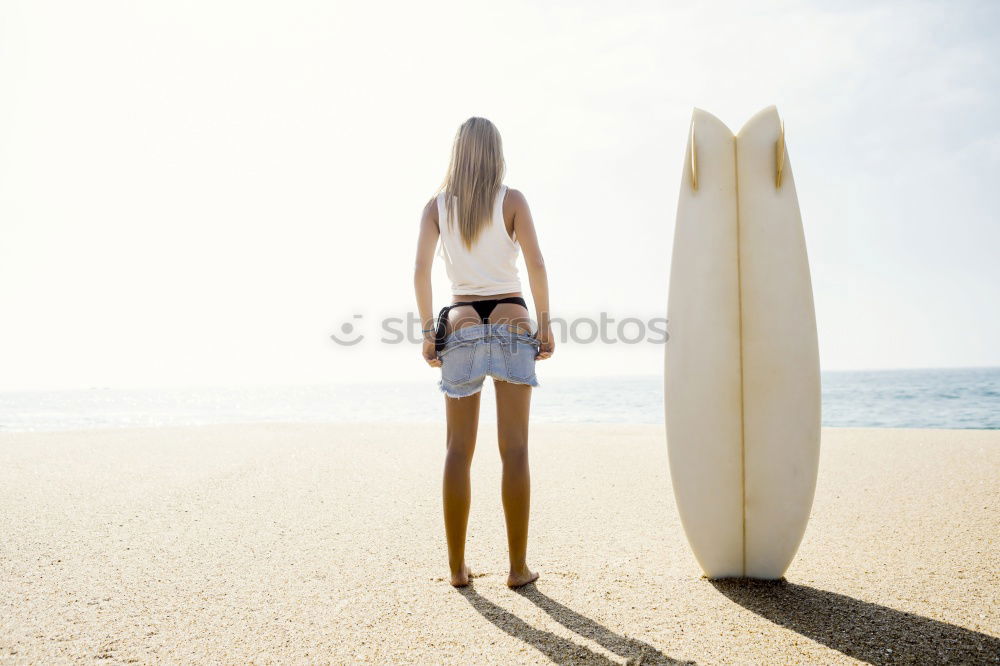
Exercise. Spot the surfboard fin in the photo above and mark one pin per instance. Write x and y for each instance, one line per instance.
(694, 161)
(779, 155)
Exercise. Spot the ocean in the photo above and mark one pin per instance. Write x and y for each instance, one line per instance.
(937, 398)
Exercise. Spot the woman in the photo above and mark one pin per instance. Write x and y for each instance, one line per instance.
(482, 224)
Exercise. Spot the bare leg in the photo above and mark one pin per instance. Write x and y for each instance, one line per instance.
(463, 423)
(513, 403)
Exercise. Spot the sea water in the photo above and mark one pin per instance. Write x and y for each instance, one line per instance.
(939, 398)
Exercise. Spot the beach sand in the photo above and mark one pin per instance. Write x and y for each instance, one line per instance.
(325, 544)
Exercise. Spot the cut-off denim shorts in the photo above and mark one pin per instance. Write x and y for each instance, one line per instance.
(498, 350)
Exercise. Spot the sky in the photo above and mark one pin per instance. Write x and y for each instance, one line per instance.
(201, 193)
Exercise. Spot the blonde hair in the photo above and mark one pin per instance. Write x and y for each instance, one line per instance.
(475, 175)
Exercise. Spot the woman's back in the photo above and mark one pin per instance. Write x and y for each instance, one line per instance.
(490, 266)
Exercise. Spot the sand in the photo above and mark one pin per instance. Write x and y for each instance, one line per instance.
(324, 544)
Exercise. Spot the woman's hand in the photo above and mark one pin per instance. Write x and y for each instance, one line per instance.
(430, 353)
(547, 343)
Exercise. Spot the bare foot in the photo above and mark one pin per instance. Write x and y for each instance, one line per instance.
(461, 579)
(517, 579)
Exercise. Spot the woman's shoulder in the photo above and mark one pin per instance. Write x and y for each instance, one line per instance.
(430, 211)
(514, 200)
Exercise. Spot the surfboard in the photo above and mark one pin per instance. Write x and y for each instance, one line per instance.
(741, 367)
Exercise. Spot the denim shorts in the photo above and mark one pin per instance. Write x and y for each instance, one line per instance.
(498, 350)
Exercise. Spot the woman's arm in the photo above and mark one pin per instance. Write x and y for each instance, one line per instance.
(524, 231)
(426, 242)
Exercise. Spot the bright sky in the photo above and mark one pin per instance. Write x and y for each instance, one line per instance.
(201, 192)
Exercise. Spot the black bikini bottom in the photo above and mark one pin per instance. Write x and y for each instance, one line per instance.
(483, 309)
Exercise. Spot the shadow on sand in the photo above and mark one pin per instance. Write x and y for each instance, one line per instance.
(557, 648)
(865, 631)
(859, 629)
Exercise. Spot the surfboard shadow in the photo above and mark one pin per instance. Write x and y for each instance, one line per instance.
(859, 629)
(557, 648)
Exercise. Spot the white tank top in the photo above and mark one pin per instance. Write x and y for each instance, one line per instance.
(490, 267)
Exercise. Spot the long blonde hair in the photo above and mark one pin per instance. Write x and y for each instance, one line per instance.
(475, 175)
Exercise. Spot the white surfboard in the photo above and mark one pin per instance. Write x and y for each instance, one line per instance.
(741, 373)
